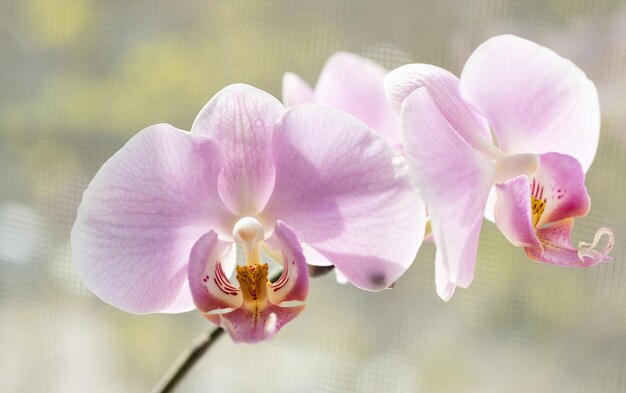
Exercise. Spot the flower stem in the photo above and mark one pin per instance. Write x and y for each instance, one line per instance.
(187, 360)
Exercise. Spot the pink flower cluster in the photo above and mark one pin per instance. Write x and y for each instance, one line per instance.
(343, 176)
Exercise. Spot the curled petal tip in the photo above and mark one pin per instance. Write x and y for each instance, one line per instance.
(588, 250)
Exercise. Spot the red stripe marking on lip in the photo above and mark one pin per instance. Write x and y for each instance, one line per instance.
(284, 277)
(222, 283)
(223, 278)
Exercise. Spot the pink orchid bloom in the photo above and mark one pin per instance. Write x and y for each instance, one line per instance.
(353, 84)
(535, 102)
(156, 225)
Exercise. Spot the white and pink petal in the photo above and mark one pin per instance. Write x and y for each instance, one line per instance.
(208, 280)
(535, 100)
(141, 215)
(513, 214)
(347, 194)
(293, 283)
(454, 179)
(354, 84)
(443, 88)
(241, 119)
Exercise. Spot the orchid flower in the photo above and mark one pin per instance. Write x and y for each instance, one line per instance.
(353, 84)
(156, 225)
(535, 102)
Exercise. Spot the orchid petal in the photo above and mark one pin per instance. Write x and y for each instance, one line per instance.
(208, 280)
(558, 248)
(535, 100)
(139, 219)
(296, 91)
(241, 118)
(454, 179)
(443, 88)
(293, 284)
(354, 84)
(347, 194)
(242, 328)
(182, 303)
(513, 212)
(561, 182)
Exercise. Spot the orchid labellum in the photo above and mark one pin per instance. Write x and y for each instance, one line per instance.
(537, 104)
(543, 223)
(156, 225)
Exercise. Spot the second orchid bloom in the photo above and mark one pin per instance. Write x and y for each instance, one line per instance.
(545, 115)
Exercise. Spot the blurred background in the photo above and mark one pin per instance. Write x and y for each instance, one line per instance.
(79, 78)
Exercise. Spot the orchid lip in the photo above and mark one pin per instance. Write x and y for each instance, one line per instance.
(252, 308)
(538, 212)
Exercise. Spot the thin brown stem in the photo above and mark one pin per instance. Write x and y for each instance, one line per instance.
(187, 360)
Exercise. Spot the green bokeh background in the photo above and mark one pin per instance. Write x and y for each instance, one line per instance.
(79, 78)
